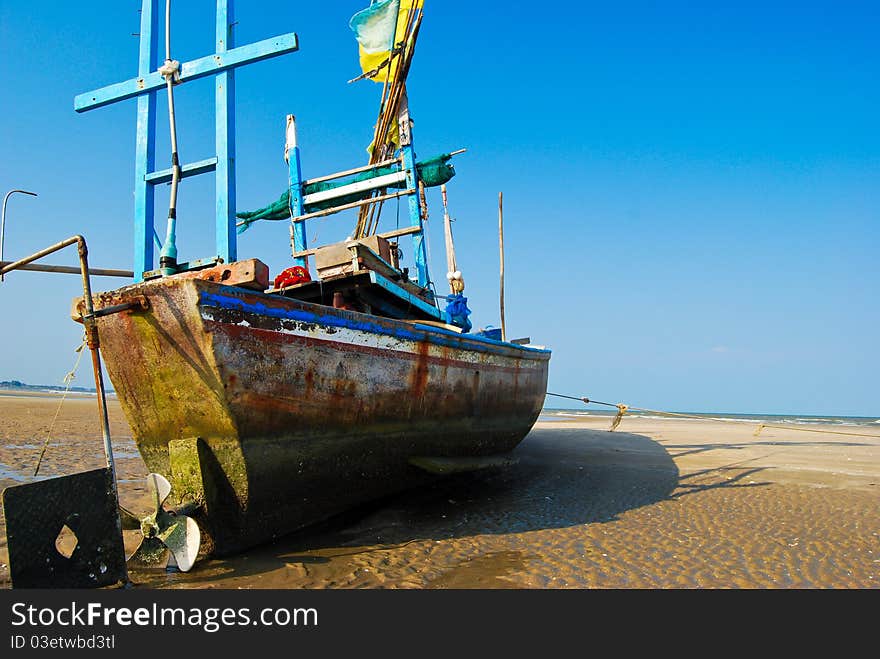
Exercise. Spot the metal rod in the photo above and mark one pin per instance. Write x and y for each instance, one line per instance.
(116, 308)
(91, 329)
(3, 219)
(15, 265)
(71, 270)
(94, 345)
(168, 255)
(501, 250)
(88, 322)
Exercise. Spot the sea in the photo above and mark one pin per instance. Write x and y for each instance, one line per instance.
(567, 414)
(561, 414)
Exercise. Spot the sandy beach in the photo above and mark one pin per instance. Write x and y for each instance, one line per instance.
(656, 504)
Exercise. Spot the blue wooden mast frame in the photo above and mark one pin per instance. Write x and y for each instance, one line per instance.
(221, 65)
(407, 151)
(407, 157)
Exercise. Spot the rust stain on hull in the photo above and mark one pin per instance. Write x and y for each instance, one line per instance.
(305, 410)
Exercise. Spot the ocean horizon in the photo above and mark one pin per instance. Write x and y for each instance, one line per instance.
(562, 414)
(558, 413)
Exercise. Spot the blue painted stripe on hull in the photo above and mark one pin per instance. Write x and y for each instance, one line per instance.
(389, 327)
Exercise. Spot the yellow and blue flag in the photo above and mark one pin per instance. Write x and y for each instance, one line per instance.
(378, 29)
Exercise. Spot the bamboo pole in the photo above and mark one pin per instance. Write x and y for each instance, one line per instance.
(395, 83)
(389, 115)
(501, 251)
(450, 245)
(366, 212)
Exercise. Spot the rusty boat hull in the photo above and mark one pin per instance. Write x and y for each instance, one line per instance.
(273, 413)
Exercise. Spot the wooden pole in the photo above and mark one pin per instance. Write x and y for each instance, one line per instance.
(450, 245)
(501, 250)
(368, 216)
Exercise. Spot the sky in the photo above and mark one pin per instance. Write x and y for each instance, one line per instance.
(691, 190)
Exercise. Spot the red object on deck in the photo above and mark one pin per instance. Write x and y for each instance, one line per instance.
(295, 275)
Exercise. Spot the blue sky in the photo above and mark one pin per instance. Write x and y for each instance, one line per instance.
(691, 190)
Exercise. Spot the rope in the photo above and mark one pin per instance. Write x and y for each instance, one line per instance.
(583, 399)
(170, 71)
(68, 379)
(834, 432)
(623, 409)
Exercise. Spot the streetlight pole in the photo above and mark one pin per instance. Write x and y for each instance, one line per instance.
(3, 219)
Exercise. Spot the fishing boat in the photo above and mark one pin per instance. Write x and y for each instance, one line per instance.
(262, 405)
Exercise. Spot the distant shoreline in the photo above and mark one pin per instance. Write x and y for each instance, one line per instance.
(34, 392)
(560, 414)
(10, 388)
(16, 386)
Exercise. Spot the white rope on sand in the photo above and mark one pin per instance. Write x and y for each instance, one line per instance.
(68, 379)
(623, 409)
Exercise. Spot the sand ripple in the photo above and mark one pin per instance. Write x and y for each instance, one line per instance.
(667, 504)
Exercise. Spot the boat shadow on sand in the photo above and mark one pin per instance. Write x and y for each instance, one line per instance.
(562, 478)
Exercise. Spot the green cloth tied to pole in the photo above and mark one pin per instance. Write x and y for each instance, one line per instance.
(432, 172)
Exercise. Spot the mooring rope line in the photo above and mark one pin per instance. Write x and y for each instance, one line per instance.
(835, 432)
(68, 379)
(622, 409)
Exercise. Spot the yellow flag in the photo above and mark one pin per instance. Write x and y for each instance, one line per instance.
(373, 28)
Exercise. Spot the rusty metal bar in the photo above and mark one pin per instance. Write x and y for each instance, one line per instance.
(116, 308)
(139, 302)
(71, 270)
(91, 330)
(3, 220)
(88, 322)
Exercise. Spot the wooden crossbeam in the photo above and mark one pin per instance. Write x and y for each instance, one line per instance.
(354, 204)
(383, 181)
(197, 68)
(405, 231)
(193, 169)
(348, 172)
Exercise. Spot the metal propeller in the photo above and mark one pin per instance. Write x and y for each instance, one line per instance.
(163, 531)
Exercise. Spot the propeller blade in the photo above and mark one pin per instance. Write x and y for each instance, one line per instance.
(182, 537)
(159, 487)
(169, 539)
(151, 553)
(130, 521)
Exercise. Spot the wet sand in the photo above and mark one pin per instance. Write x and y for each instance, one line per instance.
(655, 504)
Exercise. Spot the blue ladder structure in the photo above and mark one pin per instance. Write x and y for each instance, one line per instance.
(221, 65)
(407, 173)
